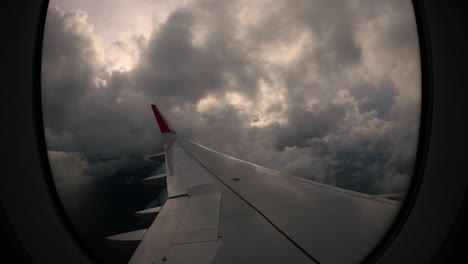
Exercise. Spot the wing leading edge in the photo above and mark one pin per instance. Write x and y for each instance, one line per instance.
(224, 210)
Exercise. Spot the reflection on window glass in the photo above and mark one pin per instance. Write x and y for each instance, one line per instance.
(328, 91)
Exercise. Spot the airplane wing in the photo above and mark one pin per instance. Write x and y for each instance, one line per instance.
(224, 210)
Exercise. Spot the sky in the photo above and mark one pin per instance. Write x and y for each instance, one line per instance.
(325, 90)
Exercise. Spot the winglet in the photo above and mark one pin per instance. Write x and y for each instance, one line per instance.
(162, 122)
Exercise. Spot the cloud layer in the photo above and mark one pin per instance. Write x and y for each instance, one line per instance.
(325, 90)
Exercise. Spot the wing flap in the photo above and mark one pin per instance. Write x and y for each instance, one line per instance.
(184, 224)
(202, 253)
(158, 238)
(200, 221)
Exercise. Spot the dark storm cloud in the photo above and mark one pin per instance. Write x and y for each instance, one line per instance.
(375, 97)
(174, 70)
(310, 124)
(332, 22)
(338, 110)
(68, 62)
(80, 113)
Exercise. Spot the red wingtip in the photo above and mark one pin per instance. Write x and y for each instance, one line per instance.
(163, 126)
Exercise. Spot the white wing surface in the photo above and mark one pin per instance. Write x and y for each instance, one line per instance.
(224, 210)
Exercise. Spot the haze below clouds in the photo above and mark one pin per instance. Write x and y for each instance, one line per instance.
(325, 90)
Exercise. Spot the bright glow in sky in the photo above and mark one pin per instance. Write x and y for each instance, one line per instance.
(122, 27)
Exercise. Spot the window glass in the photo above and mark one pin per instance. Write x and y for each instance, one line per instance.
(329, 91)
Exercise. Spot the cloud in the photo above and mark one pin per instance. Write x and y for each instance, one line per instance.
(100, 119)
(326, 90)
(66, 166)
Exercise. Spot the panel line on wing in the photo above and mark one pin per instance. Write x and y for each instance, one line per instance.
(253, 207)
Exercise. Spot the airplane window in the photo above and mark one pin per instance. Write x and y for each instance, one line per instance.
(317, 102)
